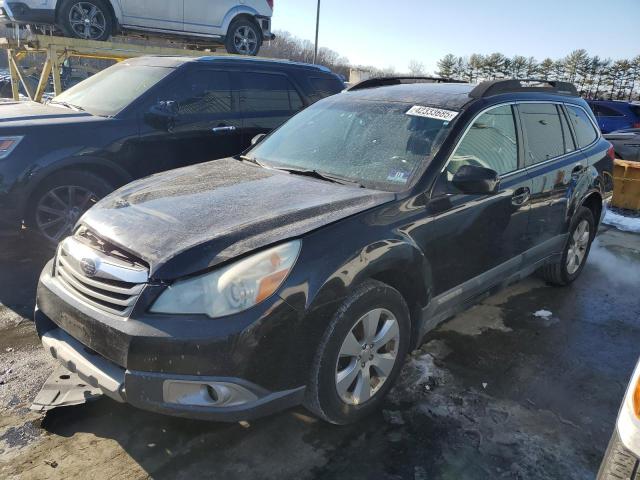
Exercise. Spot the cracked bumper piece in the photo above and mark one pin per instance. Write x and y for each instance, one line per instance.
(206, 398)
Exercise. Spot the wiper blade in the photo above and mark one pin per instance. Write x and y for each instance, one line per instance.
(321, 176)
(68, 105)
(253, 160)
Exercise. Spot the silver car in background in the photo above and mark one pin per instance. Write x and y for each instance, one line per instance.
(242, 25)
(622, 458)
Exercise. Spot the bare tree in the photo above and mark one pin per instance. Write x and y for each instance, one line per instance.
(416, 68)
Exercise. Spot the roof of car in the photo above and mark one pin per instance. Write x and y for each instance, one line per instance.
(455, 96)
(446, 95)
(176, 61)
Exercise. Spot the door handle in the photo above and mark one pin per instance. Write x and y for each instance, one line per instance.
(521, 196)
(224, 128)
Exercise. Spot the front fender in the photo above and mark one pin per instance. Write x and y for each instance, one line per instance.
(332, 266)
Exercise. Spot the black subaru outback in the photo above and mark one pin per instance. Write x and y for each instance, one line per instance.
(304, 270)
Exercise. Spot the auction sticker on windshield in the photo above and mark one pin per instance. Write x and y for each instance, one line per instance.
(431, 112)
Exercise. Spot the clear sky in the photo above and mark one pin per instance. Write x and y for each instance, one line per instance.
(393, 32)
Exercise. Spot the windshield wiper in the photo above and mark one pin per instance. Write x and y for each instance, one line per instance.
(321, 176)
(255, 161)
(68, 105)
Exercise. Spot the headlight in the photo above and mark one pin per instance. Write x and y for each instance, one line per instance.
(231, 289)
(7, 145)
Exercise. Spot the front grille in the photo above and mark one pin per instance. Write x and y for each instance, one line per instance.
(105, 281)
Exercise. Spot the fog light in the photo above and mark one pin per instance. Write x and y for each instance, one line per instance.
(210, 394)
(213, 394)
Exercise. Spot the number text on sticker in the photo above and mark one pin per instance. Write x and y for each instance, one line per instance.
(430, 112)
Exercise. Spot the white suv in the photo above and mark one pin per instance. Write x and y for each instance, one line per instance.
(241, 25)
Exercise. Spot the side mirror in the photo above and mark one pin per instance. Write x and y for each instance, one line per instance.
(258, 138)
(473, 179)
(162, 115)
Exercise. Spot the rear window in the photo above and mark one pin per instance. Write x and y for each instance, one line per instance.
(324, 87)
(602, 111)
(582, 125)
(545, 137)
(635, 109)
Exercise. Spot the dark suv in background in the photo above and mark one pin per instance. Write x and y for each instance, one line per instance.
(136, 118)
(304, 270)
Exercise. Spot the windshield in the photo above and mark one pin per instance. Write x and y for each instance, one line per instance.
(376, 144)
(110, 91)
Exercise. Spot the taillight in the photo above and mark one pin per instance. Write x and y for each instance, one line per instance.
(270, 2)
(611, 153)
(636, 125)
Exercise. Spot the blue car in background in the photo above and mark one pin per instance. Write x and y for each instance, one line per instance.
(615, 115)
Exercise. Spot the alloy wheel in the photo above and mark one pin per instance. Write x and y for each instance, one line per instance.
(367, 356)
(60, 208)
(245, 40)
(87, 21)
(578, 244)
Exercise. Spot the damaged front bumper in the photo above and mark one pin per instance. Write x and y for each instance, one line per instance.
(172, 366)
(206, 398)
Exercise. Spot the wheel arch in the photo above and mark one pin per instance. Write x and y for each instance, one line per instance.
(113, 174)
(394, 262)
(237, 13)
(594, 202)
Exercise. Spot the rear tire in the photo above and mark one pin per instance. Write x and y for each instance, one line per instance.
(244, 37)
(60, 201)
(339, 390)
(86, 19)
(567, 268)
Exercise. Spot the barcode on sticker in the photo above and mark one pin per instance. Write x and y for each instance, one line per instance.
(430, 112)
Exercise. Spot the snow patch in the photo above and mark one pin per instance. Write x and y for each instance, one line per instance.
(622, 222)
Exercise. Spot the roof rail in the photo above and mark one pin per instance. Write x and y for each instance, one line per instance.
(385, 81)
(496, 87)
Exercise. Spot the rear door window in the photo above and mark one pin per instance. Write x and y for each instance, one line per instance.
(490, 142)
(545, 137)
(586, 133)
(264, 92)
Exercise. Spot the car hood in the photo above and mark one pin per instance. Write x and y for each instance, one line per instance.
(190, 219)
(24, 114)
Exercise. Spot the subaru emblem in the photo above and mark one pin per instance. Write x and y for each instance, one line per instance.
(89, 267)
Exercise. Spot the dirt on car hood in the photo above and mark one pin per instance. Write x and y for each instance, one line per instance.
(187, 220)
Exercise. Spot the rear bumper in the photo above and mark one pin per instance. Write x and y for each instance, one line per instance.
(265, 25)
(178, 395)
(20, 12)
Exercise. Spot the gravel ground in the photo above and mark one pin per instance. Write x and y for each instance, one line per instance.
(526, 384)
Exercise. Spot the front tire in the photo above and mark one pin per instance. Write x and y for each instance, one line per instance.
(360, 355)
(244, 37)
(60, 202)
(568, 267)
(86, 19)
